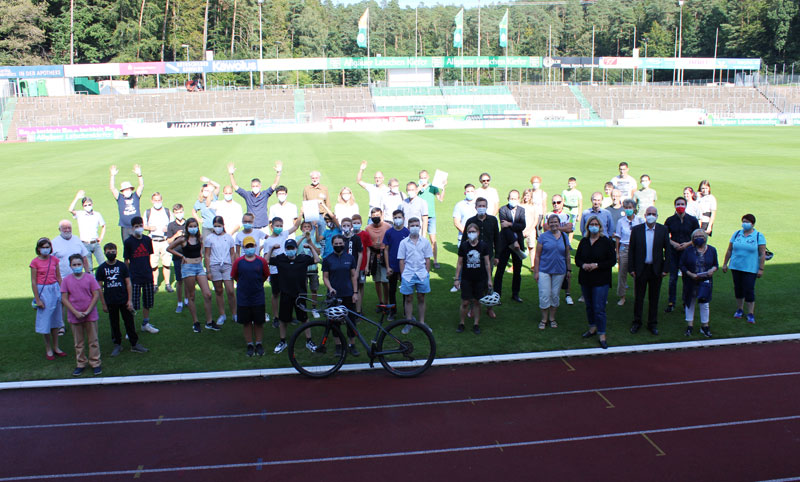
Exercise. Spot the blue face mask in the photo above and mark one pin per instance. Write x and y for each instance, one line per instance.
(192, 230)
(699, 242)
(629, 212)
(594, 229)
(470, 196)
(250, 251)
(277, 231)
(77, 270)
(513, 203)
(247, 226)
(291, 253)
(747, 226)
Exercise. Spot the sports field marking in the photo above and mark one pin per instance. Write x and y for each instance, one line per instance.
(610, 405)
(470, 448)
(660, 452)
(395, 405)
(570, 368)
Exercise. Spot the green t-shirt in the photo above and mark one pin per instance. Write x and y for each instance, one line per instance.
(572, 199)
(645, 198)
(428, 194)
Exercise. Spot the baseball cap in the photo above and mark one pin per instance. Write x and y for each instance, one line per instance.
(290, 244)
(248, 241)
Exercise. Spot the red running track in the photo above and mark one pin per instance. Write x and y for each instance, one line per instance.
(726, 413)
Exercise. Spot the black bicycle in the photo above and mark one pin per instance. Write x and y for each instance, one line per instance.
(318, 348)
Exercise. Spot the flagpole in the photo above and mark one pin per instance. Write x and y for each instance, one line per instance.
(592, 66)
(479, 42)
(369, 71)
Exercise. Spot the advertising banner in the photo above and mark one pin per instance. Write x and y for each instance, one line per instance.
(141, 68)
(196, 67)
(210, 123)
(32, 72)
(70, 133)
(234, 65)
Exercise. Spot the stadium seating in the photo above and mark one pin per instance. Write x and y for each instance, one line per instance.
(444, 100)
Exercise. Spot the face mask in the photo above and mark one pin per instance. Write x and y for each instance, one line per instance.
(77, 270)
(747, 226)
(412, 194)
(481, 211)
(157, 205)
(228, 197)
(44, 251)
(247, 226)
(179, 216)
(218, 229)
(472, 236)
(536, 185)
(111, 256)
(192, 230)
(281, 198)
(291, 253)
(356, 227)
(629, 212)
(138, 231)
(513, 203)
(256, 189)
(470, 196)
(423, 182)
(395, 190)
(398, 222)
(414, 230)
(345, 197)
(66, 236)
(699, 242)
(594, 229)
(375, 220)
(314, 183)
(250, 251)
(680, 209)
(651, 218)
(329, 225)
(338, 249)
(277, 231)
(347, 231)
(645, 184)
(127, 194)
(88, 208)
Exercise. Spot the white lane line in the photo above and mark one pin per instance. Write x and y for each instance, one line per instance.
(349, 458)
(264, 413)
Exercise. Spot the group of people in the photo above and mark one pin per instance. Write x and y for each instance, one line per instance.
(239, 250)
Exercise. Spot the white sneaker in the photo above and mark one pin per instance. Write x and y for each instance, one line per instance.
(186, 301)
(235, 318)
(581, 300)
(279, 347)
(568, 300)
(150, 328)
(406, 329)
(221, 320)
(454, 290)
(266, 317)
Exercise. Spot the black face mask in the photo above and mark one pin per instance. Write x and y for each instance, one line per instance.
(338, 249)
(376, 220)
(111, 255)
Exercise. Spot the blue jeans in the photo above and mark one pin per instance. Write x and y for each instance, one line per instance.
(595, 298)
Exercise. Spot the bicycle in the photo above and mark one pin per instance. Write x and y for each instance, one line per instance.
(401, 354)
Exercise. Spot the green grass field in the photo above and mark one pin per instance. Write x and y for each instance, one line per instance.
(750, 169)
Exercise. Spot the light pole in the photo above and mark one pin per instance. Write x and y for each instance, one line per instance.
(186, 46)
(277, 72)
(680, 40)
(260, 44)
(325, 70)
(71, 30)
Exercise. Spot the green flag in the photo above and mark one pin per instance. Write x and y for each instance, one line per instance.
(458, 34)
(363, 27)
(504, 30)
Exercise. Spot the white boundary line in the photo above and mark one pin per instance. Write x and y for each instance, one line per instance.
(269, 372)
(347, 458)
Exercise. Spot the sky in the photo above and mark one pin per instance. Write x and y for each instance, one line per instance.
(414, 3)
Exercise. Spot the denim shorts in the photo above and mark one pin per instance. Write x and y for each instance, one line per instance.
(193, 269)
(407, 287)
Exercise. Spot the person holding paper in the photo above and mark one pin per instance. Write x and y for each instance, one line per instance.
(318, 192)
(431, 193)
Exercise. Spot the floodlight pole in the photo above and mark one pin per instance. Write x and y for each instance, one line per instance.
(680, 40)
(277, 72)
(186, 46)
(71, 31)
(260, 44)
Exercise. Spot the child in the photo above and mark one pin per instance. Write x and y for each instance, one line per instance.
(137, 250)
(273, 246)
(46, 298)
(366, 243)
(219, 259)
(645, 197)
(391, 243)
(304, 242)
(79, 294)
(573, 203)
(414, 256)
(607, 188)
(116, 283)
(248, 229)
(189, 249)
(250, 272)
(175, 231)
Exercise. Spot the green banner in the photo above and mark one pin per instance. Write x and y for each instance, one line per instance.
(432, 62)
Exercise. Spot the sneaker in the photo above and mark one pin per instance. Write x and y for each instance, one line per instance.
(279, 347)
(581, 300)
(706, 331)
(390, 317)
(169, 288)
(97, 371)
(235, 318)
(454, 290)
(212, 326)
(276, 323)
(751, 318)
(116, 350)
(688, 331)
(196, 327)
(186, 301)
(436, 265)
(460, 328)
(406, 329)
(621, 302)
(476, 329)
(148, 327)
(61, 331)
(138, 348)
(259, 349)
(568, 300)
(312, 347)
(266, 317)
(179, 308)
(338, 350)
(738, 314)
(251, 350)
(670, 308)
(353, 350)
(221, 320)
(78, 372)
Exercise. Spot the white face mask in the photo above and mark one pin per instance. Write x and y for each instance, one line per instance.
(281, 198)
(398, 221)
(651, 218)
(645, 184)
(395, 190)
(178, 216)
(536, 185)
(414, 230)
(218, 229)
(256, 189)
(157, 205)
(345, 197)
(88, 208)
(66, 236)
(472, 236)
(228, 197)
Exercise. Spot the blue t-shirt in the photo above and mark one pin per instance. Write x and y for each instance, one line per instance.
(128, 209)
(339, 273)
(250, 277)
(744, 255)
(328, 236)
(392, 239)
(207, 213)
(257, 205)
(552, 260)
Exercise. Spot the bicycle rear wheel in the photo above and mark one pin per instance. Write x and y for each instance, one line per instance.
(323, 360)
(406, 354)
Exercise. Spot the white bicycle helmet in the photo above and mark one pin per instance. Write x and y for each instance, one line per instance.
(336, 312)
(492, 299)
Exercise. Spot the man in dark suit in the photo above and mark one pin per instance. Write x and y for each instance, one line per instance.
(649, 262)
(512, 223)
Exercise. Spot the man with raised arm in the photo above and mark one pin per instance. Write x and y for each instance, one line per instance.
(128, 202)
(375, 191)
(256, 199)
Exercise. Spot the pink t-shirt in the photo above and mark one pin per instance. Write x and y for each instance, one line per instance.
(80, 295)
(45, 275)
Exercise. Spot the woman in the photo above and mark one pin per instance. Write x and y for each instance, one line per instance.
(346, 206)
(473, 276)
(533, 218)
(691, 202)
(622, 238)
(706, 207)
(595, 257)
(220, 255)
(552, 266)
(191, 256)
(47, 297)
(746, 253)
(698, 265)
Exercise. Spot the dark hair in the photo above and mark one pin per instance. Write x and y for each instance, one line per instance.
(137, 220)
(644, 176)
(108, 246)
(155, 194)
(335, 237)
(355, 216)
(248, 214)
(398, 211)
(276, 218)
(414, 220)
(469, 185)
(482, 199)
(75, 256)
(218, 219)
(512, 191)
(255, 179)
(41, 243)
(623, 163)
(750, 217)
(346, 220)
(679, 198)
(375, 210)
(410, 183)
(485, 174)
(281, 188)
(691, 189)
(572, 179)
(177, 206)
(87, 198)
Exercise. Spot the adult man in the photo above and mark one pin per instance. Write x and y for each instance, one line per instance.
(602, 215)
(128, 202)
(92, 227)
(391, 243)
(256, 199)
(65, 245)
(156, 221)
(615, 209)
(391, 200)
(648, 260)
(283, 209)
(317, 192)
(414, 207)
(680, 227)
(489, 193)
(376, 191)
(566, 226)
(230, 211)
(430, 194)
(464, 210)
(414, 257)
(512, 223)
(624, 182)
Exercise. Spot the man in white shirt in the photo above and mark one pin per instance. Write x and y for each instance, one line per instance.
(375, 191)
(230, 210)
(156, 221)
(464, 210)
(65, 245)
(624, 182)
(283, 209)
(414, 206)
(390, 202)
(489, 193)
(414, 255)
(92, 227)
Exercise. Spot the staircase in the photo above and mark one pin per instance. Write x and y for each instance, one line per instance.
(576, 91)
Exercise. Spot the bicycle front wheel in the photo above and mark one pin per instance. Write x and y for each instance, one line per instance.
(406, 348)
(320, 358)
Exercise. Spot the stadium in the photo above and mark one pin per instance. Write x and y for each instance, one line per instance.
(173, 94)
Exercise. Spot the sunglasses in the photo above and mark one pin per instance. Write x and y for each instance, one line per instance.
(558, 202)
(485, 180)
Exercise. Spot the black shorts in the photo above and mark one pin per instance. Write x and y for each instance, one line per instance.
(285, 307)
(176, 263)
(250, 314)
(275, 284)
(473, 289)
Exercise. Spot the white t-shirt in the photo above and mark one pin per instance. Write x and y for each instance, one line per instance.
(158, 219)
(376, 194)
(286, 211)
(271, 241)
(626, 185)
(705, 205)
(220, 245)
(63, 249)
(231, 213)
(492, 199)
(345, 211)
(89, 224)
(389, 204)
(255, 233)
